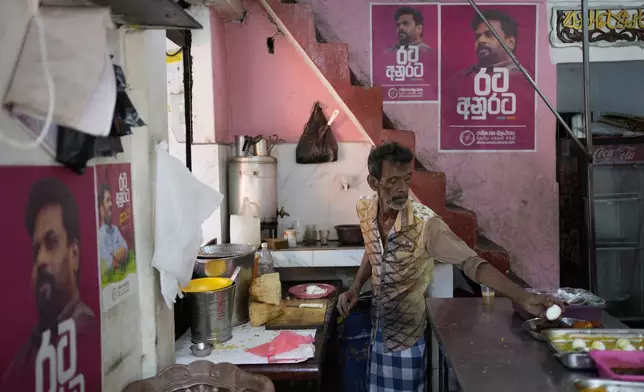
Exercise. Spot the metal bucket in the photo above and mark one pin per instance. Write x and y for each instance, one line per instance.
(212, 313)
(221, 260)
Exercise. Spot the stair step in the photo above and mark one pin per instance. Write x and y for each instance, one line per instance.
(405, 138)
(463, 223)
(333, 61)
(429, 187)
(493, 253)
(366, 104)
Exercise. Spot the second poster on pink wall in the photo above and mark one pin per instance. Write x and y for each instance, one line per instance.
(486, 102)
(404, 51)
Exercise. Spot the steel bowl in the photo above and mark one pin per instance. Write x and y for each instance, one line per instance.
(201, 350)
(220, 261)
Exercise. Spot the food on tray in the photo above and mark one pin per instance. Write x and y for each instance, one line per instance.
(261, 313)
(598, 345)
(577, 342)
(622, 343)
(267, 289)
(315, 290)
(585, 324)
(553, 312)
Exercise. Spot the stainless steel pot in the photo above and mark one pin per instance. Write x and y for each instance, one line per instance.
(212, 313)
(221, 260)
(256, 179)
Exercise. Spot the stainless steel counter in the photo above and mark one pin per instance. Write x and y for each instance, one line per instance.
(488, 352)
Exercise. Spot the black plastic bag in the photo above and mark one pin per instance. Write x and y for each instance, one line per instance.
(125, 114)
(74, 149)
(317, 143)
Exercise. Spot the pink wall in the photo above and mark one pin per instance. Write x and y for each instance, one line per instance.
(220, 77)
(514, 194)
(271, 93)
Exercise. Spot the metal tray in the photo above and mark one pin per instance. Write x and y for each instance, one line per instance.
(530, 326)
(607, 385)
(582, 361)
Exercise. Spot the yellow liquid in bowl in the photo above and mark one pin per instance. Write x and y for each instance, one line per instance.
(207, 284)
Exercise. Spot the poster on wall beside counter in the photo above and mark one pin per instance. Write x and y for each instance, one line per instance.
(608, 26)
(117, 256)
(50, 289)
(486, 102)
(404, 51)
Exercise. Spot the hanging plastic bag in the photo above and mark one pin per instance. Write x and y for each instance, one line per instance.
(125, 114)
(317, 143)
(74, 149)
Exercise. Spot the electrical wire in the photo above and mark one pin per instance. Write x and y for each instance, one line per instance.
(50, 89)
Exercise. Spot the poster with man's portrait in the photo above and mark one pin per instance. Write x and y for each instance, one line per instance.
(50, 289)
(486, 102)
(404, 51)
(117, 258)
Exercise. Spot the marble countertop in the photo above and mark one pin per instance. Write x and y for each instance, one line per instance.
(333, 245)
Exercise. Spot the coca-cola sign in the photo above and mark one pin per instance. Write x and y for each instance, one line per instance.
(618, 154)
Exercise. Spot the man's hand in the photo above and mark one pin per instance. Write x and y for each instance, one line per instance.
(347, 301)
(537, 304)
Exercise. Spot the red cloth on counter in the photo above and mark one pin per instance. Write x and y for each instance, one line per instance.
(284, 342)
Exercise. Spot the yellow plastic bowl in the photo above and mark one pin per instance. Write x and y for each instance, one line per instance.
(207, 284)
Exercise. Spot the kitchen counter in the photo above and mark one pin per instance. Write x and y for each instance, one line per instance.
(333, 245)
(309, 372)
(487, 350)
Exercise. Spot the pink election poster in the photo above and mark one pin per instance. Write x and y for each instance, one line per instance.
(486, 102)
(116, 254)
(404, 51)
(51, 313)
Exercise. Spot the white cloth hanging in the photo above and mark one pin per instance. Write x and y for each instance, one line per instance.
(183, 203)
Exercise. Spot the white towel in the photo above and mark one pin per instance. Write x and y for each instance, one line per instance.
(182, 204)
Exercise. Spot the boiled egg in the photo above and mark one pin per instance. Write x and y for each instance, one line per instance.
(622, 343)
(553, 312)
(597, 345)
(578, 344)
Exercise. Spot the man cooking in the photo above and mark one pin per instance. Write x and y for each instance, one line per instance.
(402, 239)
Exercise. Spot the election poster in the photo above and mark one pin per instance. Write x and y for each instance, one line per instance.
(50, 290)
(404, 51)
(117, 256)
(486, 102)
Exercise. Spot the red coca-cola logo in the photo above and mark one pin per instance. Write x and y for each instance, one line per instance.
(615, 153)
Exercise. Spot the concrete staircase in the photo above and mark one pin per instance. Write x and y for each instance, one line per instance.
(366, 104)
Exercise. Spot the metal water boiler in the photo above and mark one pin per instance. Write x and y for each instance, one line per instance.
(254, 177)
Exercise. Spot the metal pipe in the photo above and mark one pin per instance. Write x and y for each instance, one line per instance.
(590, 189)
(530, 80)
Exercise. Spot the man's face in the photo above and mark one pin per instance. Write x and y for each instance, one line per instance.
(488, 49)
(394, 183)
(53, 275)
(106, 207)
(408, 30)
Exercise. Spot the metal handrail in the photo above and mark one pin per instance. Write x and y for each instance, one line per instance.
(525, 73)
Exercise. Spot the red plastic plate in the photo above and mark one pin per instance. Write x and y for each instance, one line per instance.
(299, 291)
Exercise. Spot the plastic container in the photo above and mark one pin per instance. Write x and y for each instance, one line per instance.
(607, 361)
(265, 264)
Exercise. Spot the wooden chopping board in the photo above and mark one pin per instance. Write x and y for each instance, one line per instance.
(300, 318)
